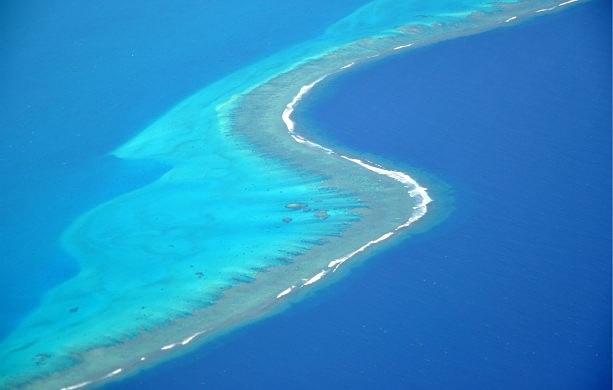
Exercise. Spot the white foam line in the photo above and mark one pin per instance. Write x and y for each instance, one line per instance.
(512, 18)
(190, 338)
(402, 46)
(315, 278)
(401, 177)
(289, 109)
(112, 373)
(414, 188)
(169, 346)
(285, 292)
(545, 9)
(422, 211)
(567, 3)
(336, 262)
(348, 65)
(302, 140)
(77, 386)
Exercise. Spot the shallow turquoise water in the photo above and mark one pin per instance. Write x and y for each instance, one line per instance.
(81, 79)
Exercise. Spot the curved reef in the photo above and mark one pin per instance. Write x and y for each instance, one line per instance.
(250, 214)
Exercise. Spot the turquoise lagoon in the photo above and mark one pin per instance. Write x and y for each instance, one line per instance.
(249, 216)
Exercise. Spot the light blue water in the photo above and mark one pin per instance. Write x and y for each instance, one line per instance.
(79, 80)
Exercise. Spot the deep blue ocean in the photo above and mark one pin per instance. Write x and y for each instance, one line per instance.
(511, 291)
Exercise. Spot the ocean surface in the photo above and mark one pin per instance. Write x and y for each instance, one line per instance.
(510, 127)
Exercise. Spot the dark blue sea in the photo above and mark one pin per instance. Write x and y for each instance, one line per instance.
(511, 291)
